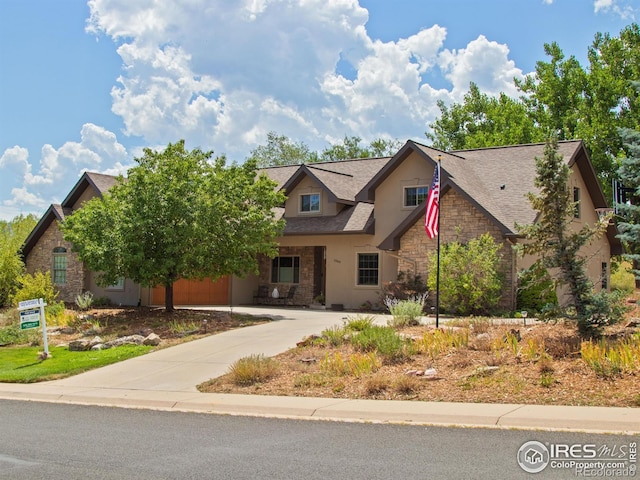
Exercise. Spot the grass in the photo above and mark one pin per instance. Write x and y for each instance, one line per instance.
(253, 369)
(22, 365)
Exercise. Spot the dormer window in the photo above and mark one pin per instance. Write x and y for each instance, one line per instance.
(310, 203)
(414, 196)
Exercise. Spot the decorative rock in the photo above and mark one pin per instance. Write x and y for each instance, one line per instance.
(430, 373)
(145, 332)
(67, 330)
(414, 373)
(633, 323)
(98, 346)
(483, 336)
(308, 360)
(94, 341)
(128, 340)
(80, 345)
(152, 339)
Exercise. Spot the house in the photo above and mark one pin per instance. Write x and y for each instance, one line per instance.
(353, 225)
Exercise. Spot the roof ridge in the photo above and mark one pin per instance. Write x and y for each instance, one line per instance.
(503, 147)
(329, 171)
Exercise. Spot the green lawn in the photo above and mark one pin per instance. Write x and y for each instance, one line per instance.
(22, 365)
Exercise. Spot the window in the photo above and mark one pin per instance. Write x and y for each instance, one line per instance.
(119, 285)
(576, 200)
(310, 202)
(367, 269)
(604, 284)
(414, 196)
(59, 265)
(285, 270)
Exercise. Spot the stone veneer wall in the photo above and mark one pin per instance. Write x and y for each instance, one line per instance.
(40, 259)
(304, 290)
(460, 221)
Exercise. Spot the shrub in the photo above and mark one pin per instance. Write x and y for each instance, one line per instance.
(334, 335)
(84, 300)
(359, 323)
(407, 385)
(622, 278)
(383, 340)
(470, 280)
(406, 285)
(536, 289)
(252, 369)
(405, 312)
(38, 285)
(602, 309)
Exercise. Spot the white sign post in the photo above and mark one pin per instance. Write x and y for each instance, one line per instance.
(32, 316)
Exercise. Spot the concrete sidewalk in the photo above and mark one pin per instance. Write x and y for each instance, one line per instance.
(167, 380)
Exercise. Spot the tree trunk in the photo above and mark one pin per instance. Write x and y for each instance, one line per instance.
(168, 297)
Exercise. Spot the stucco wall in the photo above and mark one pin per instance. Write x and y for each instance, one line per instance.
(40, 259)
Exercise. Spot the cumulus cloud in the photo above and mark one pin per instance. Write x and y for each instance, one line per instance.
(222, 74)
(619, 8)
(58, 169)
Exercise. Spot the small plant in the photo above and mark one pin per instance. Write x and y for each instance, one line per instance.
(533, 350)
(441, 341)
(182, 329)
(84, 300)
(359, 323)
(334, 365)
(480, 325)
(377, 384)
(319, 299)
(405, 312)
(363, 364)
(595, 355)
(383, 340)
(334, 335)
(252, 369)
(407, 385)
(547, 379)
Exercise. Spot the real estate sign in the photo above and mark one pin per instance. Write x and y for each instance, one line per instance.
(30, 318)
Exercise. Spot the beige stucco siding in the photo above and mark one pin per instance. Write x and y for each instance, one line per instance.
(309, 186)
(389, 201)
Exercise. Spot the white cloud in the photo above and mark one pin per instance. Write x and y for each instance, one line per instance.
(619, 8)
(483, 62)
(59, 169)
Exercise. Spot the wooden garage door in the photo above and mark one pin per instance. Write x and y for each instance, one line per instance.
(196, 292)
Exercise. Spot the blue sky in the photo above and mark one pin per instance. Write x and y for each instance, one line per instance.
(87, 85)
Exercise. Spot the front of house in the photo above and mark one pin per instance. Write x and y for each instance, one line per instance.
(352, 226)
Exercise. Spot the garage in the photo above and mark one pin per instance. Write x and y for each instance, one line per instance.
(196, 292)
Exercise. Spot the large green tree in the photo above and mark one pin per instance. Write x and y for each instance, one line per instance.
(552, 239)
(178, 215)
(483, 121)
(562, 99)
(281, 150)
(629, 212)
(13, 233)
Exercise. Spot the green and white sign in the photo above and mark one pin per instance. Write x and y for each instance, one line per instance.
(32, 316)
(29, 318)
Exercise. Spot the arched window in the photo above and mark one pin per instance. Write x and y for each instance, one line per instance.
(59, 265)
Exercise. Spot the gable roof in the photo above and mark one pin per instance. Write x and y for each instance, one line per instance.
(342, 180)
(496, 181)
(98, 182)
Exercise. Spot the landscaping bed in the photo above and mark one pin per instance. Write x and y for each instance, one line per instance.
(472, 360)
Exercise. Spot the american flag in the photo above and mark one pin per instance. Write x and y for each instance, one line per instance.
(433, 205)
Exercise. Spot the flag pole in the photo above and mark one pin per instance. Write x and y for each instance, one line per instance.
(438, 251)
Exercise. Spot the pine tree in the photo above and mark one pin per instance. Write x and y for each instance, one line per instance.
(629, 174)
(551, 239)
